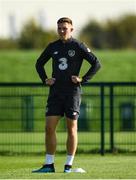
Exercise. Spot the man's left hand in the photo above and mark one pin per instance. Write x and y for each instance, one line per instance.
(76, 79)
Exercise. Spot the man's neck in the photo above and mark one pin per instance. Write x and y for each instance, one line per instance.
(66, 40)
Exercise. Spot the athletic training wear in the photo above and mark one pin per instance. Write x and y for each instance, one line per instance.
(67, 169)
(47, 168)
(60, 104)
(67, 59)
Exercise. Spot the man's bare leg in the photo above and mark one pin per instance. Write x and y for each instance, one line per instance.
(71, 140)
(50, 138)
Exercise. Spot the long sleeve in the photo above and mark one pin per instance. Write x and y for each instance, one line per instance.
(93, 61)
(41, 61)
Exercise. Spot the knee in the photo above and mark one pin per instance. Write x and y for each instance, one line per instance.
(49, 130)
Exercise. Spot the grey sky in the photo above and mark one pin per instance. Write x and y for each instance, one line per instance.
(49, 11)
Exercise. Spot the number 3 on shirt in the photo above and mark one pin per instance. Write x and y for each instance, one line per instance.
(63, 64)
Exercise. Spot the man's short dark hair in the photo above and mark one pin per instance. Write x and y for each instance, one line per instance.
(64, 19)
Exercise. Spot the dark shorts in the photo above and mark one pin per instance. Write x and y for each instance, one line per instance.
(64, 105)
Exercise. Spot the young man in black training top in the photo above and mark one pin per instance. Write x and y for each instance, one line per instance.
(65, 89)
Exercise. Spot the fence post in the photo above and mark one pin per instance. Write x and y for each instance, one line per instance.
(102, 120)
(111, 119)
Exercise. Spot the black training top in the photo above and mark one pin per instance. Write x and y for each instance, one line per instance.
(67, 59)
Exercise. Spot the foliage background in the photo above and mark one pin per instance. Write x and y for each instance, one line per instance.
(116, 33)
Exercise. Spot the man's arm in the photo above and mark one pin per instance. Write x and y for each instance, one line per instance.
(44, 57)
(92, 59)
(92, 71)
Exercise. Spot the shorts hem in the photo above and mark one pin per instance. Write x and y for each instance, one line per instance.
(54, 115)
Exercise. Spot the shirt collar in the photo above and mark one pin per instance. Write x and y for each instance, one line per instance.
(68, 41)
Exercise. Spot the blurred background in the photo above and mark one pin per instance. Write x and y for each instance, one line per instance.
(98, 22)
(108, 27)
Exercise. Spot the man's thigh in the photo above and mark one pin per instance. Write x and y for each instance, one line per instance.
(54, 106)
(72, 106)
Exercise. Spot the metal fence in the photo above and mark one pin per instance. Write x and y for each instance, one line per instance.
(107, 121)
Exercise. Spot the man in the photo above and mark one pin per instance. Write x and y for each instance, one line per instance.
(65, 89)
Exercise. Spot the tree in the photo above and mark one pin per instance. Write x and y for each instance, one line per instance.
(121, 33)
(93, 33)
(8, 44)
(114, 34)
(33, 36)
(127, 29)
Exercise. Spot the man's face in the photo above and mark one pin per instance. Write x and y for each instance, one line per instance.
(65, 30)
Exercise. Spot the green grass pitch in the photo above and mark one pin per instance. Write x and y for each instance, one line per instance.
(96, 166)
(19, 66)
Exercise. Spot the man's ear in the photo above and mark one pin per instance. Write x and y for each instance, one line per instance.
(72, 29)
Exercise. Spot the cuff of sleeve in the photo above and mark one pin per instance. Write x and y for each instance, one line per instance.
(44, 81)
(84, 81)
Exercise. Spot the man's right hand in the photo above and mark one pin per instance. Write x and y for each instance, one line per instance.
(50, 81)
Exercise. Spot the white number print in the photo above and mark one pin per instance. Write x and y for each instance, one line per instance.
(63, 64)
